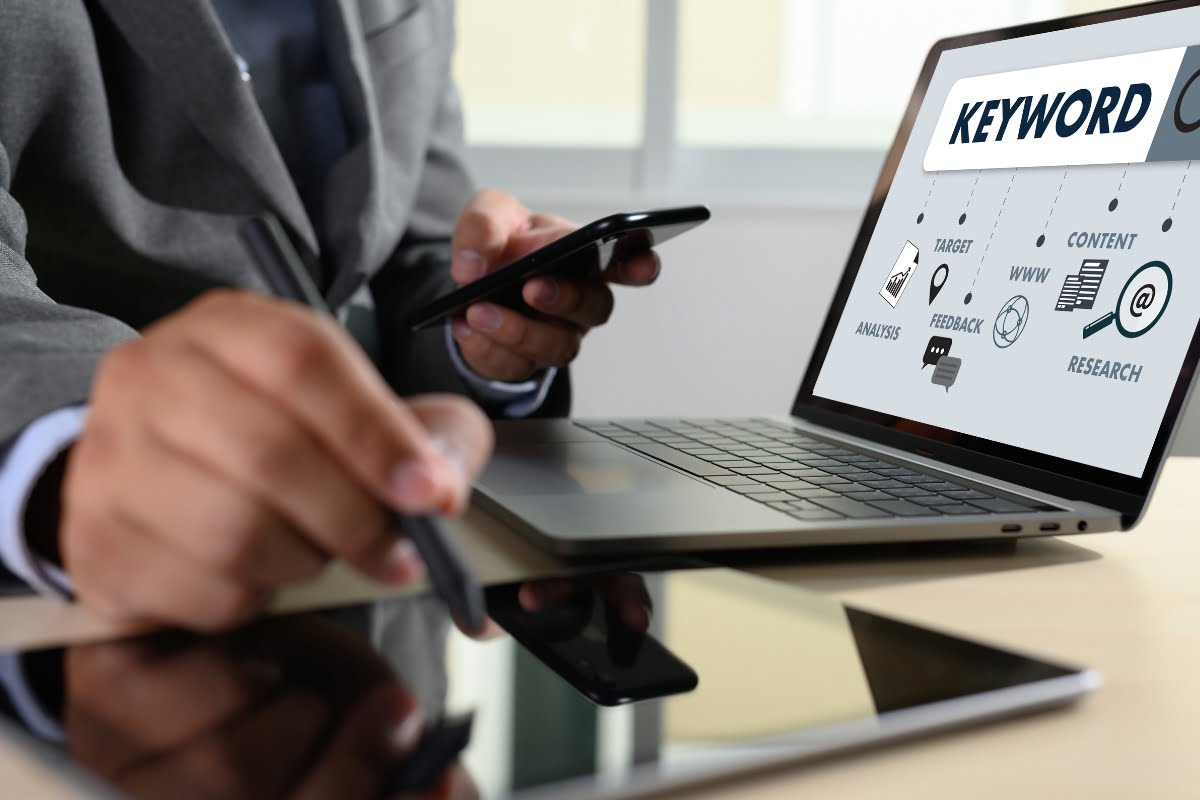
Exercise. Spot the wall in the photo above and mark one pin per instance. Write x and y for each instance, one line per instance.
(729, 325)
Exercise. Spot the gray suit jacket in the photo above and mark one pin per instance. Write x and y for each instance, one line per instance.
(131, 149)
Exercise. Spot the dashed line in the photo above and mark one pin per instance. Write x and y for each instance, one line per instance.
(1055, 203)
(995, 225)
(928, 196)
(1122, 183)
(978, 175)
(1181, 183)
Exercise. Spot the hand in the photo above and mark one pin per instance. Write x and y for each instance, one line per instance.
(501, 344)
(238, 446)
(291, 708)
(624, 593)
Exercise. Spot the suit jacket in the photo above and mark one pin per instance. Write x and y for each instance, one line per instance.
(131, 149)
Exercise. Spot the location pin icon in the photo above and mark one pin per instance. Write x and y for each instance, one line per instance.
(938, 280)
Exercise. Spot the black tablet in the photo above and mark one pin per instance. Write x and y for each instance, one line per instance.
(613, 684)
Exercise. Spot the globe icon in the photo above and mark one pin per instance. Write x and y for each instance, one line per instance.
(1010, 322)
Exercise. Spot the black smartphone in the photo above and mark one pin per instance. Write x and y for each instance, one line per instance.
(579, 253)
(587, 643)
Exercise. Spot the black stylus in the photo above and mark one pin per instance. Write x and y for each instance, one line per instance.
(281, 269)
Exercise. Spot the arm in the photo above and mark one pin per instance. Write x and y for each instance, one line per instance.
(419, 272)
(50, 353)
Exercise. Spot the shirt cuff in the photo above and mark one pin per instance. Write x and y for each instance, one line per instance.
(516, 400)
(16, 685)
(35, 449)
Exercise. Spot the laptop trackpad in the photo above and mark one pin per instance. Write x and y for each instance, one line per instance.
(578, 468)
(599, 491)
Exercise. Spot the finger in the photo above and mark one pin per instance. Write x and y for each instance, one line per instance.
(257, 755)
(544, 343)
(489, 358)
(378, 733)
(127, 700)
(641, 268)
(122, 573)
(482, 231)
(629, 595)
(546, 593)
(538, 231)
(585, 304)
(310, 368)
(209, 519)
(494, 229)
(461, 434)
(251, 445)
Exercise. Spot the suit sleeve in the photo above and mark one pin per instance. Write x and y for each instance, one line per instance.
(419, 270)
(48, 354)
(49, 351)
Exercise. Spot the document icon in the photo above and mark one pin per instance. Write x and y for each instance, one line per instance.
(1080, 290)
(901, 275)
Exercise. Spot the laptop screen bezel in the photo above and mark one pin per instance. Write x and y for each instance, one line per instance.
(1051, 474)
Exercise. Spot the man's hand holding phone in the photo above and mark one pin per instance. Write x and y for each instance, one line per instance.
(502, 344)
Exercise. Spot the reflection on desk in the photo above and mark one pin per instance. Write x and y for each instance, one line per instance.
(731, 672)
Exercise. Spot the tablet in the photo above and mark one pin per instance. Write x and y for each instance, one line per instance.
(612, 685)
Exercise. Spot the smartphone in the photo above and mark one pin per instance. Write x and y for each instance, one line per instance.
(586, 642)
(578, 254)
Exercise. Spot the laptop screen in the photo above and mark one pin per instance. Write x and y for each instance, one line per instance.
(1032, 278)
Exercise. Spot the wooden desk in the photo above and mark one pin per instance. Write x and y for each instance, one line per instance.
(1126, 604)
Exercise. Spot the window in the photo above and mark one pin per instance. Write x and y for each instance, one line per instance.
(552, 72)
(782, 98)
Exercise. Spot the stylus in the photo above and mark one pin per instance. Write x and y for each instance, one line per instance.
(280, 267)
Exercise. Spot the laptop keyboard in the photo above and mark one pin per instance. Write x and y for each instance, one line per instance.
(800, 475)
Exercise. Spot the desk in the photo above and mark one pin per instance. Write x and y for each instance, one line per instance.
(1127, 604)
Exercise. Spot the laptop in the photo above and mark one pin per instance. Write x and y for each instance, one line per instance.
(1009, 349)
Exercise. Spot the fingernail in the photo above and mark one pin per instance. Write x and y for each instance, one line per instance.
(460, 329)
(641, 270)
(546, 292)
(484, 317)
(413, 484)
(407, 733)
(404, 564)
(638, 618)
(454, 460)
(467, 266)
(449, 450)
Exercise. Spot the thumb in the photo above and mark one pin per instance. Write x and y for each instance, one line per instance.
(482, 233)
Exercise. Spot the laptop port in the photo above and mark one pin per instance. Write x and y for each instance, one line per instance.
(1082, 526)
(1010, 528)
(1049, 526)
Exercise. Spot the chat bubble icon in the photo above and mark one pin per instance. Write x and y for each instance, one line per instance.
(938, 346)
(946, 371)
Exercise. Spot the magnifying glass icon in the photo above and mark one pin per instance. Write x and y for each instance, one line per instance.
(1141, 303)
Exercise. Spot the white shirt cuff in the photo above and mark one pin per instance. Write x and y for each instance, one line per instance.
(35, 449)
(516, 400)
(16, 685)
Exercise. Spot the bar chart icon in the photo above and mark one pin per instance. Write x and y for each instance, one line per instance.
(1080, 290)
(901, 274)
